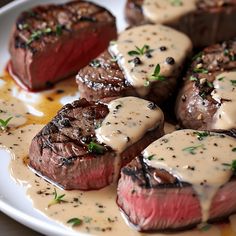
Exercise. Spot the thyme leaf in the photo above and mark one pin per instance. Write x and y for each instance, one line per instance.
(140, 51)
(192, 149)
(4, 123)
(232, 165)
(202, 135)
(96, 148)
(156, 74)
(57, 198)
(200, 70)
(176, 2)
(233, 82)
(74, 221)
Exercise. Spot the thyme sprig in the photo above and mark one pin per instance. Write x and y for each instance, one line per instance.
(4, 123)
(57, 198)
(140, 51)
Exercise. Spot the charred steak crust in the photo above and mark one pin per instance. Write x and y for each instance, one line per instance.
(104, 78)
(61, 152)
(154, 200)
(195, 107)
(68, 31)
(212, 22)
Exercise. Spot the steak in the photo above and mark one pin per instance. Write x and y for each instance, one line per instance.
(195, 107)
(212, 21)
(52, 42)
(104, 78)
(67, 153)
(154, 200)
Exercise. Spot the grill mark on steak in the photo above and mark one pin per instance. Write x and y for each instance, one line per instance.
(50, 34)
(147, 206)
(60, 151)
(106, 79)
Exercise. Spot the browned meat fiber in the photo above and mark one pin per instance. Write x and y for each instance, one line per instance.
(195, 107)
(154, 200)
(67, 153)
(51, 42)
(212, 22)
(104, 78)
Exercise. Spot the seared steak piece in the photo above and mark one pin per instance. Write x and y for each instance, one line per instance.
(196, 107)
(104, 78)
(211, 21)
(67, 153)
(145, 61)
(52, 42)
(153, 199)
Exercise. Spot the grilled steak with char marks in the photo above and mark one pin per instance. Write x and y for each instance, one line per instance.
(52, 42)
(67, 153)
(212, 22)
(154, 200)
(104, 78)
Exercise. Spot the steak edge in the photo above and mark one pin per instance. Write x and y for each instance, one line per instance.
(60, 151)
(51, 42)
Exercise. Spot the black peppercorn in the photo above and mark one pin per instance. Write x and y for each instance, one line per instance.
(137, 61)
(170, 60)
(163, 48)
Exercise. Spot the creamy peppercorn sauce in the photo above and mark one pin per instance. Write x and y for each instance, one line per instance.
(224, 94)
(202, 159)
(129, 118)
(97, 209)
(150, 46)
(167, 11)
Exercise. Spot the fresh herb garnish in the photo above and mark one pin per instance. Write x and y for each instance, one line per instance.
(38, 33)
(95, 63)
(232, 165)
(201, 135)
(150, 157)
(234, 149)
(176, 2)
(198, 55)
(59, 29)
(96, 148)
(192, 78)
(209, 84)
(57, 198)
(233, 82)
(221, 78)
(140, 51)
(4, 123)
(200, 70)
(156, 74)
(192, 149)
(204, 227)
(74, 222)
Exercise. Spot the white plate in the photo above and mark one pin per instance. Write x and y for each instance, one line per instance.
(13, 200)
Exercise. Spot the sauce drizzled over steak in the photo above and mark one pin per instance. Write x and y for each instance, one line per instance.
(145, 61)
(179, 181)
(205, 22)
(68, 153)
